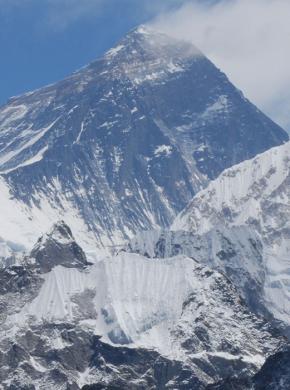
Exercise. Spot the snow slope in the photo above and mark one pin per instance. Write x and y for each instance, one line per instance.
(180, 309)
(114, 150)
(21, 223)
(123, 292)
(237, 252)
(253, 194)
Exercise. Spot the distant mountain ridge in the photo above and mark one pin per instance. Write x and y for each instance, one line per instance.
(123, 144)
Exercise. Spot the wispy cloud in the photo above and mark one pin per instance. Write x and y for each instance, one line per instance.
(248, 39)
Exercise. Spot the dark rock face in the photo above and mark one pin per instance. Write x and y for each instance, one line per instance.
(243, 383)
(58, 248)
(16, 278)
(275, 373)
(117, 367)
(128, 140)
(33, 361)
(18, 285)
(142, 369)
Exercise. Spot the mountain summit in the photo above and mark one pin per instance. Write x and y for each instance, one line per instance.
(145, 54)
(120, 146)
(123, 144)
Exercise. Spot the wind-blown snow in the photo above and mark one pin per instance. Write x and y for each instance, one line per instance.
(221, 105)
(163, 150)
(114, 51)
(38, 157)
(6, 157)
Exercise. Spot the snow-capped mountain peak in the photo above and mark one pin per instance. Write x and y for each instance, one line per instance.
(253, 195)
(58, 247)
(239, 193)
(148, 55)
(123, 144)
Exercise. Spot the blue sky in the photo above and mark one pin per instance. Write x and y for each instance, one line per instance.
(42, 41)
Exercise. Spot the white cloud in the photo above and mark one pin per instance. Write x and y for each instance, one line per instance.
(248, 40)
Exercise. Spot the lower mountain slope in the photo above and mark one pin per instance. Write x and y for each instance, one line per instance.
(126, 322)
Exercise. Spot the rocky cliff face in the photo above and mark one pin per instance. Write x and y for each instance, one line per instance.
(58, 247)
(274, 375)
(123, 144)
(253, 196)
(150, 323)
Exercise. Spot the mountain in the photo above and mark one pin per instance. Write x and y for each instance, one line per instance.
(239, 225)
(123, 144)
(274, 375)
(124, 322)
(237, 252)
(252, 197)
(58, 248)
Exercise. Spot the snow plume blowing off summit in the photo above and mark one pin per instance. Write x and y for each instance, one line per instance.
(95, 149)
(248, 39)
